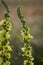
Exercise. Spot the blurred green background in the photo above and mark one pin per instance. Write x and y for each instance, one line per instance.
(33, 13)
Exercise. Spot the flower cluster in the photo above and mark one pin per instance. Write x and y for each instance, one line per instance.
(5, 47)
(27, 49)
(4, 43)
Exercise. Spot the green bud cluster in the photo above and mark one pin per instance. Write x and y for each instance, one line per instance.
(5, 47)
(27, 49)
(5, 5)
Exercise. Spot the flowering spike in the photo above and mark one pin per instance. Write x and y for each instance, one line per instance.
(27, 49)
(5, 47)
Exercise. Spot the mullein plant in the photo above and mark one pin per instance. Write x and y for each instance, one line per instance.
(5, 47)
(26, 49)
